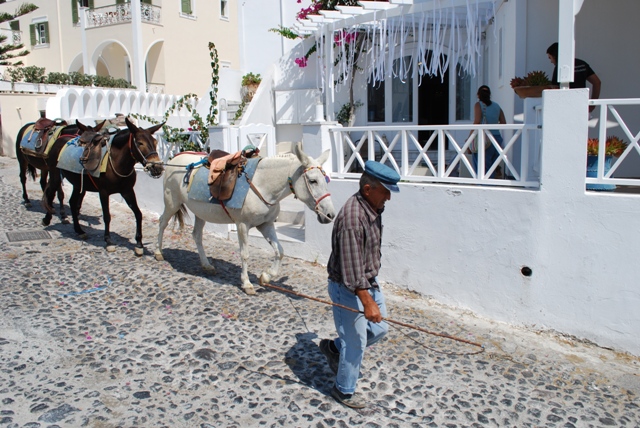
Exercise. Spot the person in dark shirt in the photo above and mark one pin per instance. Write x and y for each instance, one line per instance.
(353, 269)
(582, 73)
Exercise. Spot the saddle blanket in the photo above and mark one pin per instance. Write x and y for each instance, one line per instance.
(28, 142)
(69, 159)
(199, 187)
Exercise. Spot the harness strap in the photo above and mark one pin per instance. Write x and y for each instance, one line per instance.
(225, 210)
(256, 190)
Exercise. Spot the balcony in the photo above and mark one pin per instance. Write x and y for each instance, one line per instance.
(13, 36)
(120, 14)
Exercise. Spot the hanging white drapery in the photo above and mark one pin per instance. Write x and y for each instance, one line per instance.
(444, 34)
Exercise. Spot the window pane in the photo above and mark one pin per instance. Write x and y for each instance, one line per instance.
(223, 8)
(402, 92)
(42, 34)
(375, 102)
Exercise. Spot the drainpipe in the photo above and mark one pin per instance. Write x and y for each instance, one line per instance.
(138, 72)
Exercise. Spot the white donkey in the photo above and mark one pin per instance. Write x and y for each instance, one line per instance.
(275, 178)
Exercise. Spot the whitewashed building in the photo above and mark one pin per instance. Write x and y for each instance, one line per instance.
(536, 248)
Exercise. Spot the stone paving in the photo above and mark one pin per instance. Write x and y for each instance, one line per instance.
(97, 339)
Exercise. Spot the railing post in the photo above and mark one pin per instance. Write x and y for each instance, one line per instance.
(404, 154)
(441, 149)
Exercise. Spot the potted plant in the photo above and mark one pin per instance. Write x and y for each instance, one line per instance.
(250, 83)
(614, 147)
(531, 85)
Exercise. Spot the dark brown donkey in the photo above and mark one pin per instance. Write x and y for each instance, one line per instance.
(87, 137)
(128, 147)
(35, 157)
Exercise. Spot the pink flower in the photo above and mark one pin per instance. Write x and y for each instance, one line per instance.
(345, 37)
(302, 61)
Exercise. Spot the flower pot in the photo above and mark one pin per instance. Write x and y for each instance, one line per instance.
(248, 91)
(531, 91)
(592, 171)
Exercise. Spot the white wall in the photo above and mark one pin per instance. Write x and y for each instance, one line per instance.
(466, 245)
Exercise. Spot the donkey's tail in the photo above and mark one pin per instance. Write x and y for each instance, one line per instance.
(31, 171)
(46, 205)
(180, 216)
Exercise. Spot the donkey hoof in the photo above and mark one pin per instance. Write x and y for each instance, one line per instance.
(46, 222)
(27, 204)
(111, 248)
(139, 251)
(65, 221)
(249, 290)
(210, 269)
(158, 256)
(265, 278)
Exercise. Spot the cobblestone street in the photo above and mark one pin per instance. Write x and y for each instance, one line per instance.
(97, 339)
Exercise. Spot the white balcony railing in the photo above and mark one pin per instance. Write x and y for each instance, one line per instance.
(13, 36)
(611, 117)
(443, 156)
(121, 13)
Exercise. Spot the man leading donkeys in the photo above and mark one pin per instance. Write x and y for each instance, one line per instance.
(353, 268)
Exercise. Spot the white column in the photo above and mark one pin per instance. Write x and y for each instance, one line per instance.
(86, 63)
(568, 9)
(138, 75)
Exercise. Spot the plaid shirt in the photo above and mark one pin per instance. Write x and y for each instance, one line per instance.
(355, 245)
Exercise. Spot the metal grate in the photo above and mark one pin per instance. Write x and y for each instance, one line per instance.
(28, 235)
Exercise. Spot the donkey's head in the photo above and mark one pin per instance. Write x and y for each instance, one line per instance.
(144, 148)
(309, 184)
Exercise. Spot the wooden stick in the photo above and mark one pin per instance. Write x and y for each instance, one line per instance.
(446, 336)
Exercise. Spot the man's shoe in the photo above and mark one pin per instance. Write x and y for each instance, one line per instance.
(332, 357)
(355, 400)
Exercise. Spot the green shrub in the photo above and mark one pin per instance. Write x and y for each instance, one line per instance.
(15, 74)
(25, 8)
(251, 79)
(33, 74)
(55, 78)
(80, 79)
(121, 83)
(4, 17)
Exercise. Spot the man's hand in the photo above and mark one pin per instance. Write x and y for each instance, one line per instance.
(371, 309)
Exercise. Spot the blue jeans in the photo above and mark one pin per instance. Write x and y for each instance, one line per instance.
(490, 156)
(355, 333)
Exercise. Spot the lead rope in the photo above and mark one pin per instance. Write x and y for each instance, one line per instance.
(446, 336)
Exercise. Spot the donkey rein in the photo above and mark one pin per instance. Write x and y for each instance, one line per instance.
(413, 327)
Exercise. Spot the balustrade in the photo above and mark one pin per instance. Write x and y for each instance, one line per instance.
(442, 157)
(121, 13)
(611, 117)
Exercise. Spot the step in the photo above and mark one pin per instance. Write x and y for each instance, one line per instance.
(291, 211)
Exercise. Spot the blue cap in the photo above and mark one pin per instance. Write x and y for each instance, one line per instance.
(387, 176)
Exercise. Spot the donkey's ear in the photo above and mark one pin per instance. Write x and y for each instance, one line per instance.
(130, 125)
(155, 128)
(99, 127)
(323, 157)
(81, 127)
(302, 156)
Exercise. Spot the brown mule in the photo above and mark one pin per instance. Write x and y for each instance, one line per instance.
(83, 133)
(128, 147)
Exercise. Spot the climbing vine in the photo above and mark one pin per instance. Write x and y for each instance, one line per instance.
(177, 135)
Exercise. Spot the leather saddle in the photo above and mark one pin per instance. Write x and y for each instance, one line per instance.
(43, 130)
(224, 170)
(91, 156)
